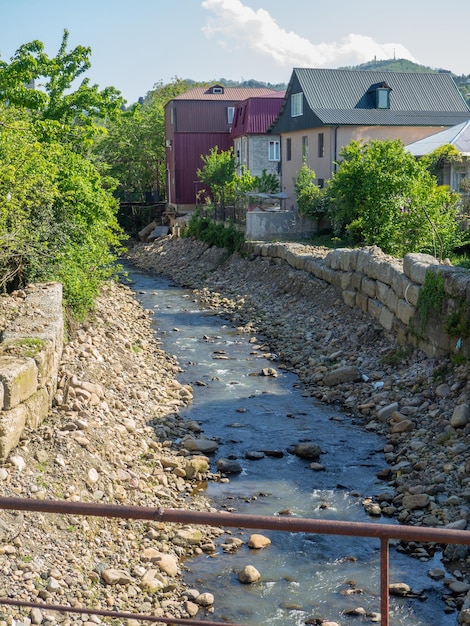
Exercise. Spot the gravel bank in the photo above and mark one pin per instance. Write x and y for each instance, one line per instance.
(107, 439)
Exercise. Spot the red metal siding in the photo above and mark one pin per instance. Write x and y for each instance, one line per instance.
(188, 149)
(202, 117)
(255, 115)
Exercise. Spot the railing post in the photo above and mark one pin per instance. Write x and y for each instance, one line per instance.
(384, 580)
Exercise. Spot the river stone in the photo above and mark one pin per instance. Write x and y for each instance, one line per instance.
(249, 575)
(399, 589)
(152, 581)
(254, 455)
(405, 426)
(227, 466)
(116, 577)
(205, 599)
(346, 374)
(166, 562)
(459, 587)
(416, 501)
(460, 416)
(386, 412)
(196, 465)
(187, 537)
(307, 450)
(258, 542)
(206, 446)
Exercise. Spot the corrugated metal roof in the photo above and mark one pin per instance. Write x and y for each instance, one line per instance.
(458, 136)
(345, 97)
(229, 93)
(348, 89)
(255, 115)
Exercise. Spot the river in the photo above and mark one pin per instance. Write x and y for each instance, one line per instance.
(257, 419)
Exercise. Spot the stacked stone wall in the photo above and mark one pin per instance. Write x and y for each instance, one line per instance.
(30, 352)
(388, 289)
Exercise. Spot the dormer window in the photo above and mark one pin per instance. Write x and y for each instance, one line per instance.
(217, 89)
(383, 98)
(381, 95)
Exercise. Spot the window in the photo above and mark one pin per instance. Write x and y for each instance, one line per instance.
(230, 114)
(383, 98)
(321, 145)
(217, 90)
(297, 104)
(305, 147)
(274, 151)
(321, 183)
(288, 149)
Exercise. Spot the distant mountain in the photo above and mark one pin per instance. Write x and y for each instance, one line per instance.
(388, 65)
(403, 65)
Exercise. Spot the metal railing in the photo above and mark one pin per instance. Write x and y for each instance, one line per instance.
(383, 532)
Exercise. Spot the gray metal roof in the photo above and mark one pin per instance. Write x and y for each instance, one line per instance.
(345, 97)
(458, 136)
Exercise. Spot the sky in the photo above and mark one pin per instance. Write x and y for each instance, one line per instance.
(139, 43)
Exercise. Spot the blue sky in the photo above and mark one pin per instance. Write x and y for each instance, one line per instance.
(138, 43)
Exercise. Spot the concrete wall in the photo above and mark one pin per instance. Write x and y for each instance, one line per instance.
(30, 352)
(387, 289)
(277, 225)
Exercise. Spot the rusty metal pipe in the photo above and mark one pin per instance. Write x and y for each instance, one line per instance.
(115, 614)
(278, 523)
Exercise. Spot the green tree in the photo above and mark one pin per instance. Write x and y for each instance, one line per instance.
(308, 193)
(57, 211)
(134, 144)
(44, 86)
(267, 183)
(382, 195)
(218, 173)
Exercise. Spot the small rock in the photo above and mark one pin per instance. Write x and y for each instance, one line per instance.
(249, 575)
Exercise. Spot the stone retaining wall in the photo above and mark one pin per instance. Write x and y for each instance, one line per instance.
(388, 289)
(30, 352)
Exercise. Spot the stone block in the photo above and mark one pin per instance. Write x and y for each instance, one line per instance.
(362, 301)
(416, 265)
(374, 308)
(19, 378)
(37, 406)
(387, 296)
(386, 318)
(12, 424)
(411, 292)
(349, 298)
(356, 281)
(368, 287)
(346, 280)
(404, 311)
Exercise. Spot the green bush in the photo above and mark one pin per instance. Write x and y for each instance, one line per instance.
(381, 195)
(208, 231)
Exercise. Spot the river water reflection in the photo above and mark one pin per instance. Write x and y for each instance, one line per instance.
(303, 575)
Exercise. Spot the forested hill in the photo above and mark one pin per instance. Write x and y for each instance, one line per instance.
(390, 65)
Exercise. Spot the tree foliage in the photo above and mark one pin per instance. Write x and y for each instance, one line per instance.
(134, 144)
(308, 193)
(382, 195)
(57, 211)
(45, 87)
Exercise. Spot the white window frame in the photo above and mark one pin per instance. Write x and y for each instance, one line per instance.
(297, 104)
(230, 114)
(274, 150)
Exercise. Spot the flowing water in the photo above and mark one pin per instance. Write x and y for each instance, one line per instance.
(302, 575)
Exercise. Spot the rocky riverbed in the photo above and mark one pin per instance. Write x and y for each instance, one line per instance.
(110, 435)
(420, 404)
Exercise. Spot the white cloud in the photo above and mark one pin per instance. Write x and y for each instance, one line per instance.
(235, 25)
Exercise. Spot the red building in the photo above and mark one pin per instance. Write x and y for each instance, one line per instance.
(195, 122)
